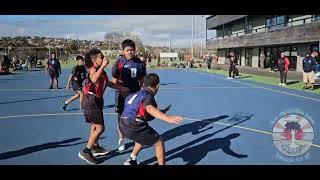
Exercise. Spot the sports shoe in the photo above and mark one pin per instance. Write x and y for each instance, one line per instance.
(130, 161)
(64, 106)
(87, 156)
(121, 145)
(98, 151)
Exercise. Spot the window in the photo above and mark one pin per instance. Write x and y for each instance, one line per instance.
(316, 17)
(276, 22)
(248, 28)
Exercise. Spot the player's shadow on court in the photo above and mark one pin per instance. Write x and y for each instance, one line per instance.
(292, 82)
(35, 99)
(41, 147)
(243, 77)
(195, 154)
(237, 119)
(194, 128)
(164, 84)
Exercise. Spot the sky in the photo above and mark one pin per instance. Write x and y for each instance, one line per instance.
(153, 29)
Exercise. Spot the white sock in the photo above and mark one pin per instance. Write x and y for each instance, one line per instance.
(133, 157)
(120, 141)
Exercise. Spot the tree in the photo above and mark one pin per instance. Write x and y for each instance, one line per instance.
(118, 37)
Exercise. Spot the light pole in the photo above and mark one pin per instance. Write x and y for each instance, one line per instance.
(192, 39)
(169, 42)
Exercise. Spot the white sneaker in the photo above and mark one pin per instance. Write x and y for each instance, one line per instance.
(229, 78)
(131, 162)
(280, 84)
(121, 145)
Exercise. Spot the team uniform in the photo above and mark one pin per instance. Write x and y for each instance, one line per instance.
(54, 68)
(78, 76)
(129, 72)
(134, 120)
(92, 103)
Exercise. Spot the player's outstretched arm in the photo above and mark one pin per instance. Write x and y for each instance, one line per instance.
(165, 110)
(160, 115)
(123, 90)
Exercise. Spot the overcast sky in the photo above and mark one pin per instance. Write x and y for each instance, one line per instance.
(153, 29)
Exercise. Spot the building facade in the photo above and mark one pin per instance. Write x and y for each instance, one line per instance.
(258, 40)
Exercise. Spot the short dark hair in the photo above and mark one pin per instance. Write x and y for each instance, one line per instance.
(89, 56)
(128, 42)
(79, 58)
(53, 53)
(151, 80)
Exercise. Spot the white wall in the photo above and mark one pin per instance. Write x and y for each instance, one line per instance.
(255, 57)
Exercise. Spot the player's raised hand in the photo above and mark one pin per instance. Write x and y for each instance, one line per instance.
(175, 119)
(105, 62)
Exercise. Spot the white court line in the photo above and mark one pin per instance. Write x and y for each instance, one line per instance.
(52, 114)
(190, 119)
(278, 91)
(242, 127)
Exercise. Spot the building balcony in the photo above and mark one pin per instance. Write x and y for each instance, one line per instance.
(294, 32)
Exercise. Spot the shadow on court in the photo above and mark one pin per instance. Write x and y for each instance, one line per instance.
(35, 99)
(202, 153)
(195, 154)
(292, 82)
(194, 128)
(41, 147)
(164, 84)
(243, 77)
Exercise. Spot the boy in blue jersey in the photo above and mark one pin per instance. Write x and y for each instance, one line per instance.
(128, 71)
(139, 108)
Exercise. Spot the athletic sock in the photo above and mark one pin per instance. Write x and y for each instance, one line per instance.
(133, 156)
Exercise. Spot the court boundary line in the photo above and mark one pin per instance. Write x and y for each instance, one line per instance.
(185, 118)
(260, 87)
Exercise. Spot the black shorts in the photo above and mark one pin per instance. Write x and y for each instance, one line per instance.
(119, 102)
(138, 132)
(53, 73)
(92, 109)
(76, 86)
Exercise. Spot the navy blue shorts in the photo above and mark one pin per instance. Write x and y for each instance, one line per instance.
(53, 73)
(138, 132)
(92, 109)
(76, 86)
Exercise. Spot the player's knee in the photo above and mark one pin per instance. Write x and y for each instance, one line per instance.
(100, 128)
(159, 142)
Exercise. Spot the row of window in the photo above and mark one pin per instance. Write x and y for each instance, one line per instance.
(274, 23)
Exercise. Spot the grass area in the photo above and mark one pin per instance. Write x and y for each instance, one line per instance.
(296, 85)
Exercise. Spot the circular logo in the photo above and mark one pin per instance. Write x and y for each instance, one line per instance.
(293, 135)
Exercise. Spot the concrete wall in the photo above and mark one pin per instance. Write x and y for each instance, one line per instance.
(221, 56)
(288, 35)
(299, 64)
(243, 58)
(255, 57)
